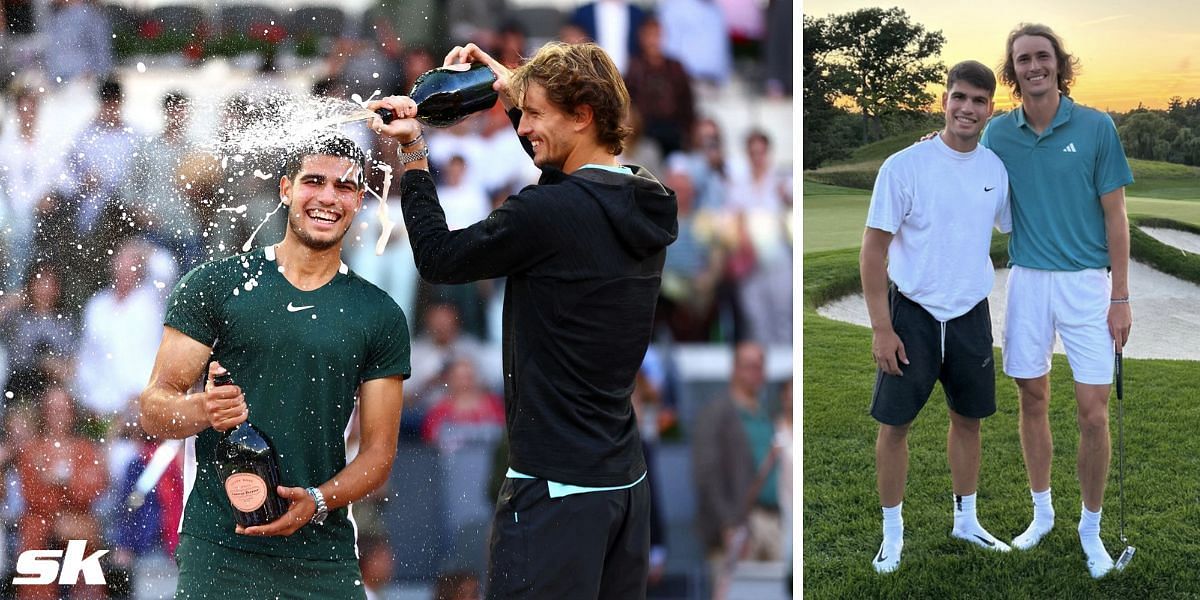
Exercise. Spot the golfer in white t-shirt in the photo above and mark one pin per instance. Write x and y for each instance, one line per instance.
(929, 231)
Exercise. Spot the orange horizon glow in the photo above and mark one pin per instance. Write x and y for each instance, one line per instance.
(1129, 53)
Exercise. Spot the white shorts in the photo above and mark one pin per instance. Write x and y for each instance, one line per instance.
(1072, 303)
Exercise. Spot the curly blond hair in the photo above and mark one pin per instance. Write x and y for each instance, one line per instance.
(577, 74)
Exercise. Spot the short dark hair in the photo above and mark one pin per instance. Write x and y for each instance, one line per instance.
(328, 143)
(974, 73)
(175, 100)
(578, 74)
(110, 90)
(1067, 63)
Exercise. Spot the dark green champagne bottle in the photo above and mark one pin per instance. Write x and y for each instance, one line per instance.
(447, 95)
(248, 466)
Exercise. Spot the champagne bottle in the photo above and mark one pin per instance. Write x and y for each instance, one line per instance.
(447, 95)
(248, 466)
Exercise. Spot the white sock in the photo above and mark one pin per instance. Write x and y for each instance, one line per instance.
(1043, 521)
(888, 557)
(1098, 560)
(967, 527)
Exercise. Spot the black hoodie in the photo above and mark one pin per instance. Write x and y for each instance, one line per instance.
(583, 254)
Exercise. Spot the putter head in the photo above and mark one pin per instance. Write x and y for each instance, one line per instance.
(1123, 560)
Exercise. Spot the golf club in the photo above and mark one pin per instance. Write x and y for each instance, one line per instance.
(1127, 553)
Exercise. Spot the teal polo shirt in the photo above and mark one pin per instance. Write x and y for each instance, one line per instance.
(1057, 179)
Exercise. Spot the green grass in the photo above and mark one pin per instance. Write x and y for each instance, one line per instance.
(841, 513)
(1152, 179)
(834, 216)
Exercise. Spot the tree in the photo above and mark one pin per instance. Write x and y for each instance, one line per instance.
(882, 60)
(1141, 134)
(826, 136)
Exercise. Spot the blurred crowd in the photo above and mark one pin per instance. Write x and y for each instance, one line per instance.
(96, 228)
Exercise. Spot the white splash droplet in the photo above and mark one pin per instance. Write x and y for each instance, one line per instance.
(141, 67)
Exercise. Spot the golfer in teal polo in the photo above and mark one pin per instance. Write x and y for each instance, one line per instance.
(1069, 254)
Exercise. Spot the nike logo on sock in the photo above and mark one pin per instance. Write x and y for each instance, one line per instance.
(882, 556)
(985, 540)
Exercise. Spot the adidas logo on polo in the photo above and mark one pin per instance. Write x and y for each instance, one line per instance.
(1070, 147)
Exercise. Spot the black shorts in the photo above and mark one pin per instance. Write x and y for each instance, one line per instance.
(593, 545)
(964, 365)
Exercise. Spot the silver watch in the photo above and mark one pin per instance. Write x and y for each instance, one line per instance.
(407, 157)
(318, 517)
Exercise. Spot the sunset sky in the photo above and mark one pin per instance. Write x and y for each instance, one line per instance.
(1129, 52)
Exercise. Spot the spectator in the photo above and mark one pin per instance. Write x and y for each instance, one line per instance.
(18, 436)
(151, 527)
(463, 198)
(759, 198)
(725, 461)
(198, 177)
(376, 562)
(660, 90)
(394, 271)
(640, 150)
(99, 162)
(365, 64)
(163, 212)
(778, 50)
(745, 21)
(78, 41)
(783, 445)
(466, 413)
(42, 343)
(62, 476)
(121, 331)
(706, 159)
(475, 20)
(647, 403)
(29, 164)
(457, 585)
(510, 44)
(434, 350)
(613, 24)
(694, 267)
(572, 33)
(694, 33)
(501, 178)
(417, 60)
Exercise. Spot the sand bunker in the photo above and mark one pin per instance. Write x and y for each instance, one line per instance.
(1166, 310)
(1183, 240)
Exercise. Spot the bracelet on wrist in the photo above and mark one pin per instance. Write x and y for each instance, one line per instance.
(1121, 300)
(412, 142)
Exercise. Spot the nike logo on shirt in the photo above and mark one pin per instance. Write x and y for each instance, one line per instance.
(988, 189)
(298, 308)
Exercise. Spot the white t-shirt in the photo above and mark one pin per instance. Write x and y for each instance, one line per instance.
(941, 206)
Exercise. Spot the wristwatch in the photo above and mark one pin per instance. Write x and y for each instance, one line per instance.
(407, 157)
(318, 517)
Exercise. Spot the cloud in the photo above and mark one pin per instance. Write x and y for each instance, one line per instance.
(1103, 20)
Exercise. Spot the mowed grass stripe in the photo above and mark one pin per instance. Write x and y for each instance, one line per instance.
(841, 509)
(834, 216)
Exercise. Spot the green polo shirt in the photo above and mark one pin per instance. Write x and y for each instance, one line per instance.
(299, 357)
(1057, 179)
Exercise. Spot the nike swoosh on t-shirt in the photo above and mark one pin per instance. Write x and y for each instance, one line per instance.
(298, 308)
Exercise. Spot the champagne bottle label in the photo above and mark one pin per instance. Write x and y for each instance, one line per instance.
(247, 491)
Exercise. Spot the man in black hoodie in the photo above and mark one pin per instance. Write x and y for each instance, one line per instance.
(583, 251)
